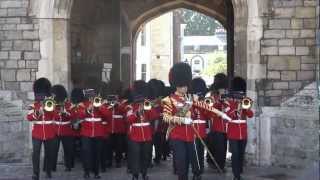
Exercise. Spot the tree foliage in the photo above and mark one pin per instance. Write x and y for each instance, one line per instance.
(198, 24)
(217, 63)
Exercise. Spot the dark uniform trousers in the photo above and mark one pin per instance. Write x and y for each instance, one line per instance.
(159, 141)
(218, 147)
(68, 149)
(139, 156)
(200, 157)
(117, 146)
(184, 154)
(105, 152)
(48, 155)
(91, 154)
(237, 148)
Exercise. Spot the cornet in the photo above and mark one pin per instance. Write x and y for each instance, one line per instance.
(246, 103)
(49, 104)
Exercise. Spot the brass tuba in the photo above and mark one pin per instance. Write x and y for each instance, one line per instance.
(49, 104)
(246, 103)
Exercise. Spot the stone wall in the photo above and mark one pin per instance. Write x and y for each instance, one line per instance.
(288, 48)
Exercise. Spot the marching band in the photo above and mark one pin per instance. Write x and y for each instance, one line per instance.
(105, 122)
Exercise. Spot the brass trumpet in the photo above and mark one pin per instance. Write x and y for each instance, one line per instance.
(97, 101)
(147, 105)
(49, 104)
(246, 103)
(209, 101)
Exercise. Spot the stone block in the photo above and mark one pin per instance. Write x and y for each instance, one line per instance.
(310, 3)
(8, 75)
(286, 51)
(12, 64)
(307, 33)
(310, 42)
(305, 12)
(279, 24)
(11, 4)
(288, 75)
(308, 67)
(30, 35)
(269, 51)
(273, 75)
(308, 60)
(26, 86)
(15, 55)
(295, 85)
(284, 63)
(36, 45)
(13, 35)
(23, 75)
(292, 33)
(287, 3)
(21, 64)
(13, 20)
(25, 27)
(306, 75)
(299, 42)
(6, 45)
(32, 64)
(31, 55)
(302, 51)
(296, 23)
(280, 85)
(309, 23)
(274, 34)
(22, 45)
(284, 12)
(4, 55)
(269, 42)
(7, 27)
(285, 42)
(3, 13)
(17, 12)
(12, 86)
(273, 93)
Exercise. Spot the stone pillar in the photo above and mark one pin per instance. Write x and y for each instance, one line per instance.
(116, 25)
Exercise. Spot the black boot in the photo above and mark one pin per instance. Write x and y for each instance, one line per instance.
(86, 175)
(97, 176)
(196, 177)
(48, 175)
(135, 177)
(183, 177)
(145, 177)
(35, 177)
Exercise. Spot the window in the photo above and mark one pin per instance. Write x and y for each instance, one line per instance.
(143, 72)
(197, 62)
(143, 36)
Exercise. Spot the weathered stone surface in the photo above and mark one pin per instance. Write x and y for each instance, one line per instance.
(17, 12)
(21, 64)
(6, 45)
(283, 63)
(22, 45)
(269, 51)
(8, 75)
(26, 86)
(11, 4)
(25, 26)
(307, 33)
(309, 23)
(30, 35)
(306, 75)
(288, 75)
(269, 42)
(286, 51)
(32, 64)
(31, 55)
(285, 42)
(305, 12)
(295, 84)
(284, 12)
(13, 35)
(279, 24)
(292, 33)
(308, 59)
(12, 64)
(299, 42)
(273, 93)
(4, 55)
(296, 23)
(302, 51)
(280, 85)
(23, 75)
(310, 42)
(273, 75)
(308, 66)
(287, 3)
(274, 34)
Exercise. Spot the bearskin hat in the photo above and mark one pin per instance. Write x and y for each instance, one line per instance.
(239, 84)
(198, 86)
(220, 81)
(59, 92)
(77, 96)
(181, 74)
(139, 91)
(155, 88)
(115, 87)
(41, 88)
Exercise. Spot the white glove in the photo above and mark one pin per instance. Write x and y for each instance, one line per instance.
(226, 117)
(187, 121)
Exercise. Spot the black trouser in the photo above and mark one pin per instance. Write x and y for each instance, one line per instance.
(105, 151)
(139, 156)
(218, 147)
(199, 149)
(184, 154)
(118, 143)
(68, 149)
(159, 141)
(237, 148)
(91, 154)
(48, 155)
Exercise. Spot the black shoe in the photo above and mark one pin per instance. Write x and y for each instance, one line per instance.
(235, 178)
(48, 175)
(135, 177)
(196, 177)
(67, 169)
(35, 177)
(145, 177)
(86, 175)
(97, 176)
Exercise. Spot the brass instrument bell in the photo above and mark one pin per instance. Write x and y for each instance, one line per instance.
(209, 101)
(246, 103)
(147, 105)
(97, 101)
(49, 104)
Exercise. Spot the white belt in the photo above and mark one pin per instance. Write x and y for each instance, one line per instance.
(104, 123)
(93, 119)
(117, 116)
(198, 121)
(62, 123)
(238, 121)
(140, 124)
(42, 122)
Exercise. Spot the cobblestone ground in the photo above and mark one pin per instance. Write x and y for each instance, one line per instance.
(163, 172)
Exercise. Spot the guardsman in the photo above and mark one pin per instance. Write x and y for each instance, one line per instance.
(217, 138)
(65, 133)
(239, 110)
(199, 116)
(140, 113)
(42, 114)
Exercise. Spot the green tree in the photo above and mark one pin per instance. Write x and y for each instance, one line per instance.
(217, 64)
(198, 24)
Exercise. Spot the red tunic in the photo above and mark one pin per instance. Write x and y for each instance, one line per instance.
(94, 123)
(139, 127)
(118, 123)
(43, 127)
(237, 128)
(218, 124)
(63, 124)
(200, 122)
